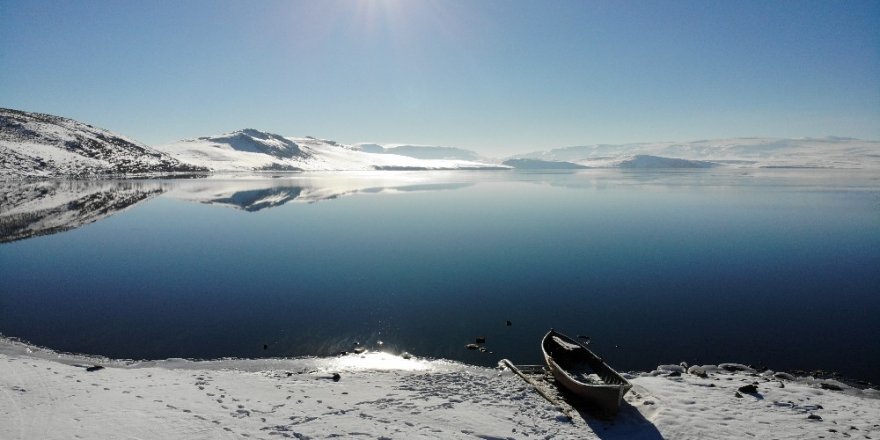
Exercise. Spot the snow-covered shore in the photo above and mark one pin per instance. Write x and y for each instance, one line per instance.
(48, 395)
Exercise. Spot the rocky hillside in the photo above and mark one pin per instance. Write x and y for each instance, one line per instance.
(40, 145)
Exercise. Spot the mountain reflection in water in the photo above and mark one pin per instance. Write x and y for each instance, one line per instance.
(34, 208)
(48, 207)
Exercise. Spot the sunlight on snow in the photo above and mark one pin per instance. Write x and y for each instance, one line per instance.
(379, 361)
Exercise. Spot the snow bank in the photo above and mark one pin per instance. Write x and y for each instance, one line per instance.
(380, 395)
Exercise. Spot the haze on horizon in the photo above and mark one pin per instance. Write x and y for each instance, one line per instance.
(495, 77)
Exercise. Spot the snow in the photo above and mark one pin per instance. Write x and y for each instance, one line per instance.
(251, 150)
(829, 152)
(34, 145)
(48, 395)
(419, 151)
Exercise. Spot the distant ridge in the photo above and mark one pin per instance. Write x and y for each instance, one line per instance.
(36, 145)
(751, 152)
(422, 151)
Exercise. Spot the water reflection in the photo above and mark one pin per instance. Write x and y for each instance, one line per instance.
(47, 207)
(255, 194)
(31, 209)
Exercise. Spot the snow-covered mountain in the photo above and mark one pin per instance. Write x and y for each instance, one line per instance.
(254, 150)
(421, 151)
(537, 164)
(829, 152)
(40, 145)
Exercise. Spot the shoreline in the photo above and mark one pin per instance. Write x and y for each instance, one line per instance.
(7, 342)
(44, 394)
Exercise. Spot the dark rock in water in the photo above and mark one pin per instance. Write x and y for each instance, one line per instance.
(814, 417)
(472, 347)
(336, 377)
(406, 355)
(288, 373)
(738, 395)
(359, 350)
(749, 389)
(265, 346)
(483, 349)
(481, 339)
(781, 385)
(674, 374)
(343, 353)
(509, 323)
(94, 368)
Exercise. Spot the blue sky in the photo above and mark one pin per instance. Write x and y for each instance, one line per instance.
(495, 76)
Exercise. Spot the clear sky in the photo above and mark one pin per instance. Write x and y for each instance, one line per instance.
(494, 76)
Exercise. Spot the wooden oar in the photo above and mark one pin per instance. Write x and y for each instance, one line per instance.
(537, 388)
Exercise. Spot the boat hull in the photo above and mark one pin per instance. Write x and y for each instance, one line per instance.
(568, 360)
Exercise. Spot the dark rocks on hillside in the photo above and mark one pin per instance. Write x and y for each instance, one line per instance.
(25, 136)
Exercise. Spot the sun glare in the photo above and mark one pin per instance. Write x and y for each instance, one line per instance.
(378, 360)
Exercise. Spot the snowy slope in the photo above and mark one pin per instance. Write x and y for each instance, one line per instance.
(830, 152)
(420, 151)
(48, 395)
(39, 145)
(253, 150)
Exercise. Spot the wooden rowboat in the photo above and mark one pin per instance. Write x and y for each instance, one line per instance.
(583, 373)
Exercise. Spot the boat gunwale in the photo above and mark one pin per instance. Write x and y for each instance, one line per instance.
(556, 368)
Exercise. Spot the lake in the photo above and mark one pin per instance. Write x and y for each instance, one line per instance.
(774, 268)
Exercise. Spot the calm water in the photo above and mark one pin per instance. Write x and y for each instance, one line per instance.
(776, 268)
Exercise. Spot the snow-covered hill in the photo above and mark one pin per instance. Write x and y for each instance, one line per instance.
(829, 152)
(40, 145)
(254, 150)
(421, 151)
